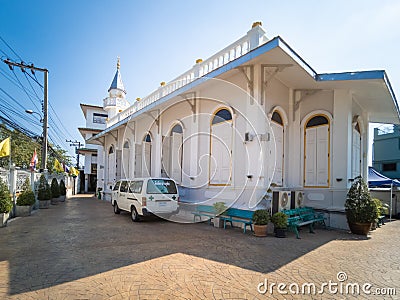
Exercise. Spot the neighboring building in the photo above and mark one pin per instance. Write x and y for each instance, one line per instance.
(386, 152)
(96, 118)
(252, 114)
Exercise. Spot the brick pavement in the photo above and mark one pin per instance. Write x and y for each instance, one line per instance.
(81, 250)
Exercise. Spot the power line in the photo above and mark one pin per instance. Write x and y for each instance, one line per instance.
(10, 48)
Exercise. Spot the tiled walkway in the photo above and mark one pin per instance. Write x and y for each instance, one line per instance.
(81, 250)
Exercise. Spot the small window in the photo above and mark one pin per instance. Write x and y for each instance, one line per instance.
(222, 115)
(177, 129)
(147, 138)
(126, 145)
(161, 186)
(116, 186)
(99, 118)
(357, 127)
(93, 168)
(317, 121)
(389, 167)
(136, 187)
(276, 117)
(124, 187)
(111, 151)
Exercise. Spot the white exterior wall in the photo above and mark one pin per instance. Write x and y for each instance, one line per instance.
(252, 158)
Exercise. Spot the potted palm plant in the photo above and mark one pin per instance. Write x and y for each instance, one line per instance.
(219, 208)
(5, 203)
(260, 220)
(63, 191)
(44, 193)
(361, 210)
(25, 200)
(279, 220)
(55, 191)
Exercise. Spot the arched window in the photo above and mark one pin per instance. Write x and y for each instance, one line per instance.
(111, 164)
(111, 150)
(316, 149)
(126, 160)
(220, 172)
(276, 117)
(356, 161)
(277, 150)
(147, 138)
(221, 116)
(173, 153)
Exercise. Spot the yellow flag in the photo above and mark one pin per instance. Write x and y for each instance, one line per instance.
(73, 171)
(57, 166)
(5, 147)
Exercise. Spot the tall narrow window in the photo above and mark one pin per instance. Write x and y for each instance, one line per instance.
(316, 149)
(173, 153)
(356, 151)
(111, 164)
(126, 160)
(220, 170)
(277, 149)
(146, 162)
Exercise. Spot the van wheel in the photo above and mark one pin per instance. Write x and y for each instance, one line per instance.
(116, 208)
(134, 214)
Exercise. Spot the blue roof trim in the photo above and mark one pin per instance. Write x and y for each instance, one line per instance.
(362, 75)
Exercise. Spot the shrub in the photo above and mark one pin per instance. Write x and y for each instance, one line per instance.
(5, 198)
(261, 217)
(27, 196)
(360, 207)
(55, 188)
(63, 190)
(44, 192)
(280, 220)
(219, 207)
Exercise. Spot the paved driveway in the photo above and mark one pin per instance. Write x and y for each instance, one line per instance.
(81, 250)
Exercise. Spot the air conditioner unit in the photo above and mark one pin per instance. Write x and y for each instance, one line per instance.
(280, 200)
(297, 199)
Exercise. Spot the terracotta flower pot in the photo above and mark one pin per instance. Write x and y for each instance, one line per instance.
(360, 228)
(260, 230)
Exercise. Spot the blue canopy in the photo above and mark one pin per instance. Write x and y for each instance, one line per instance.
(377, 179)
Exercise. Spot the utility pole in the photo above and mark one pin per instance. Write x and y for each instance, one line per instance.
(24, 66)
(77, 147)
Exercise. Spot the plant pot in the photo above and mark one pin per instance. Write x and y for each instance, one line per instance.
(23, 211)
(62, 198)
(54, 201)
(260, 230)
(360, 228)
(44, 204)
(3, 219)
(218, 222)
(280, 232)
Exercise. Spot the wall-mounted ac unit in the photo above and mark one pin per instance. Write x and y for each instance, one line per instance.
(280, 200)
(297, 199)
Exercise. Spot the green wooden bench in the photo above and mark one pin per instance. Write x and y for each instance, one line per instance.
(303, 216)
(204, 211)
(238, 215)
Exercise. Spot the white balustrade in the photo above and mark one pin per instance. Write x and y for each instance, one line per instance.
(255, 37)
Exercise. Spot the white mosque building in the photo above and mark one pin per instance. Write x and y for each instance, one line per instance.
(253, 114)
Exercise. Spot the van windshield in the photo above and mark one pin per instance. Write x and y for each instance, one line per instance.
(161, 186)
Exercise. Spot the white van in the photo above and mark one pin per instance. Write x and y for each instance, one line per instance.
(145, 196)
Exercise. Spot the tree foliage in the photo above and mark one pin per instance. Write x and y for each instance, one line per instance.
(55, 188)
(27, 196)
(23, 146)
(44, 191)
(5, 198)
(360, 207)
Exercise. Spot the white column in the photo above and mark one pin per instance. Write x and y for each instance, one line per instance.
(156, 159)
(341, 139)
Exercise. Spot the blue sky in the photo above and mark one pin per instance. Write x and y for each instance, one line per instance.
(79, 41)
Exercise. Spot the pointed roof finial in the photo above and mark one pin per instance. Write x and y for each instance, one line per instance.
(118, 63)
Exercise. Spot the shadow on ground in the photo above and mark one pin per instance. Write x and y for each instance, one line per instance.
(82, 237)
